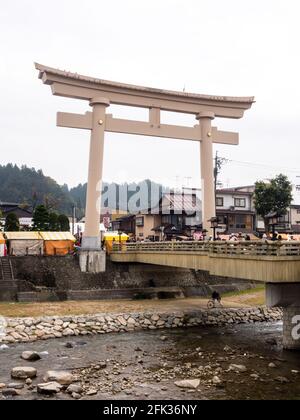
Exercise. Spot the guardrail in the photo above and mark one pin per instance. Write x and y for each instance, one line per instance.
(251, 248)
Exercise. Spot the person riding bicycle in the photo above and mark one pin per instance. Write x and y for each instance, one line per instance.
(216, 297)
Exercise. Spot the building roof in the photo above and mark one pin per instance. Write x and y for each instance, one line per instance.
(15, 208)
(7, 204)
(236, 211)
(57, 236)
(234, 191)
(20, 236)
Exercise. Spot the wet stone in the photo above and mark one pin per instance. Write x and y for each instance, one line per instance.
(23, 372)
(49, 388)
(31, 356)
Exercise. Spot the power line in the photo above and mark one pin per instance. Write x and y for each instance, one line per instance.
(262, 165)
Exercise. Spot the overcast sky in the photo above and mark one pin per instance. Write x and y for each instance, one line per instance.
(230, 47)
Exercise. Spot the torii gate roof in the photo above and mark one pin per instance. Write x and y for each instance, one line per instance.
(77, 86)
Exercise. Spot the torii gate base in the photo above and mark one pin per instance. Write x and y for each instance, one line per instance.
(92, 261)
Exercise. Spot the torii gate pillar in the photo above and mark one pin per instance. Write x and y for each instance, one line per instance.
(207, 169)
(91, 258)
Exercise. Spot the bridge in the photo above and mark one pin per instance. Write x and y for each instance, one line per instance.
(275, 263)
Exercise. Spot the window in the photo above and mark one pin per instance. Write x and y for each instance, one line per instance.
(298, 211)
(220, 202)
(139, 221)
(239, 202)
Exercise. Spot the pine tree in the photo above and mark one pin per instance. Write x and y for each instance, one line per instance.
(40, 219)
(12, 223)
(53, 222)
(64, 223)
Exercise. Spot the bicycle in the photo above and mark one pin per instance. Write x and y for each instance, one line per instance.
(213, 304)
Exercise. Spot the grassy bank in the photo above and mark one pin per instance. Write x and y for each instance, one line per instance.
(248, 298)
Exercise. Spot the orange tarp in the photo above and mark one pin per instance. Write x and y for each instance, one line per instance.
(2, 240)
(58, 247)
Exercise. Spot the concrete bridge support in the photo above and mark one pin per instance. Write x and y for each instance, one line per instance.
(287, 295)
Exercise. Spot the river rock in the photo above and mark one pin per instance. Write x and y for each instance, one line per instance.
(271, 341)
(272, 365)
(10, 392)
(62, 377)
(188, 383)
(91, 392)
(238, 368)
(31, 356)
(49, 388)
(282, 380)
(23, 372)
(77, 389)
(216, 380)
(4, 347)
(2, 386)
(15, 386)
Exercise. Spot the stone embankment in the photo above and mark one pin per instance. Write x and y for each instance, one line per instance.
(32, 329)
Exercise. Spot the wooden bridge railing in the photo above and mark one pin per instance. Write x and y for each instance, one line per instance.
(250, 248)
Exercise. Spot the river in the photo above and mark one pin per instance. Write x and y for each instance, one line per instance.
(146, 365)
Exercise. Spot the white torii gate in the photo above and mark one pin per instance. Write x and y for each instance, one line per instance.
(102, 93)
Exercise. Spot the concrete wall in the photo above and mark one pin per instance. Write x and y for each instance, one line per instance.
(55, 277)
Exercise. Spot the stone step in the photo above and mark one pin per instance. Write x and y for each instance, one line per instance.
(109, 294)
(104, 294)
(39, 296)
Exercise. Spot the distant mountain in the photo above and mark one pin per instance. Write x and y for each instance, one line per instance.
(30, 187)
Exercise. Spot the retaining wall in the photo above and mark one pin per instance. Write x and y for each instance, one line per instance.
(33, 329)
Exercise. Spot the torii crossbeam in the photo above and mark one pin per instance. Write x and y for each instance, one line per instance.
(102, 93)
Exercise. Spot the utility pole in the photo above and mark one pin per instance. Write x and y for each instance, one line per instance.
(219, 162)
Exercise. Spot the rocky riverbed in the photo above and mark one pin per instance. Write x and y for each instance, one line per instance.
(230, 362)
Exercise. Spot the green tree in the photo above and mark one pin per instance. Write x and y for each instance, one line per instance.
(12, 223)
(63, 222)
(53, 222)
(40, 219)
(273, 196)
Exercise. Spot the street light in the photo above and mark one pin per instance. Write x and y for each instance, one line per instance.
(214, 222)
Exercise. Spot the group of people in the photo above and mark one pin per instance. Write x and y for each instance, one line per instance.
(276, 237)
